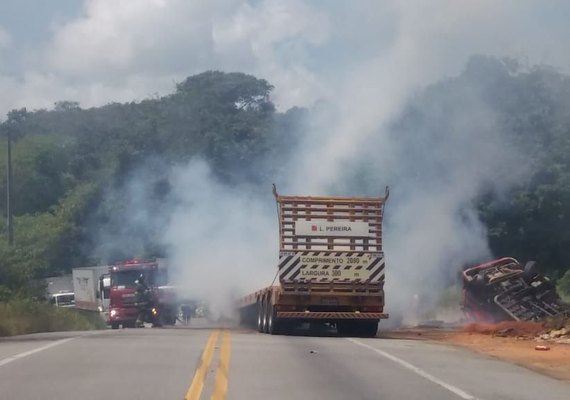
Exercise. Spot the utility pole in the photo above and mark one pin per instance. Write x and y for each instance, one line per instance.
(12, 128)
(9, 216)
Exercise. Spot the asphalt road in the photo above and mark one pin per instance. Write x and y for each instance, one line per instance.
(202, 362)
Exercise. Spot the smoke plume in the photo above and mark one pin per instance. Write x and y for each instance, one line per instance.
(373, 125)
(221, 240)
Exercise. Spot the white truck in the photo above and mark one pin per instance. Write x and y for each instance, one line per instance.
(91, 287)
(63, 299)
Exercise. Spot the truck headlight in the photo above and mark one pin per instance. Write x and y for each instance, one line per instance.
(113, 313)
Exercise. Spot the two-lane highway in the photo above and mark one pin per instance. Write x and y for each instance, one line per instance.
(199, 362)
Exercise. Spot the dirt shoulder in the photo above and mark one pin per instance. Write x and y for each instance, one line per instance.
(554, 362)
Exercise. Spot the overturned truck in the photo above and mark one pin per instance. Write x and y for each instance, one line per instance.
(504, 289)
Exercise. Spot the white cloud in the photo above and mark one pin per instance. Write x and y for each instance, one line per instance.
(5, 39)
(274, 40)
(308, 50)
(41, 90)
(178, 38)
(154, 36)
(119, 51)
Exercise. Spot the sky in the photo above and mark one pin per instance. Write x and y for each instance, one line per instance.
(100, 51)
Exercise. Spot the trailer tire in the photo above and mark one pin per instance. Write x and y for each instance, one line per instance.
(260, 316)
(114, 325)
(368, 328)
(343, 328)
(274, 324)
(357, 328)
(269, 318)
(530, 271)
(266, 306)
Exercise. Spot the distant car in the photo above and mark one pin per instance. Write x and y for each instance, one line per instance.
(66, 299)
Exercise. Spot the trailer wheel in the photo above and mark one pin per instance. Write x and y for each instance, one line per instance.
(368, 328)
(274, 324)
(269, 324)
(349, 328)
(260, 313)
(530, 271)
(357, 328)
(266, 307)
(114, 325)
(343, 328)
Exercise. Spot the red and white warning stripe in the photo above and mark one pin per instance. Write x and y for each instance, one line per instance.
(329, 266)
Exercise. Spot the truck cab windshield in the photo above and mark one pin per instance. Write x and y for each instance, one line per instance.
(128, 278)
(125, 278)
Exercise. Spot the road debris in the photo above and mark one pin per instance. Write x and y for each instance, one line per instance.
(554, 334)
(557, 330)
(542, 348)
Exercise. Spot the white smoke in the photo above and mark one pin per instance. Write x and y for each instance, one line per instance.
(224, 239)
(133, 214)
(221, 240)
(377, 59)
(432, 228)
(437, 174)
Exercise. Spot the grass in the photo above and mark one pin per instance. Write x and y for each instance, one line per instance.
(20, 317)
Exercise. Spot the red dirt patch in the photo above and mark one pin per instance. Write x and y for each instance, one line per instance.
(507, 328)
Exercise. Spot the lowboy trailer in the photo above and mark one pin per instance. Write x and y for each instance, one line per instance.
(331, 267)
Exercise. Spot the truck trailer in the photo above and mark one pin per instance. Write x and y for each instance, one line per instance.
(330, 267)
(91, 288)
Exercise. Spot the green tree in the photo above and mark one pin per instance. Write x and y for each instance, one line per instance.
(563, 286)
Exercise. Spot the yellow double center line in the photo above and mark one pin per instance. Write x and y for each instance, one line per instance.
(221, 381)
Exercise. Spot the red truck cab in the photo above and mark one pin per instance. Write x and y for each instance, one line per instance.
(123, 309)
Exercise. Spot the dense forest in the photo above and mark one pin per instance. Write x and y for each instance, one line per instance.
(72, 165)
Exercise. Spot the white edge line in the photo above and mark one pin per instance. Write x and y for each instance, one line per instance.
(420, 372)
(8, 360)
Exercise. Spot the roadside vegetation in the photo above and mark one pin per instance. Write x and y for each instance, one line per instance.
(563, 287)
(19, 317)
(72, 168)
